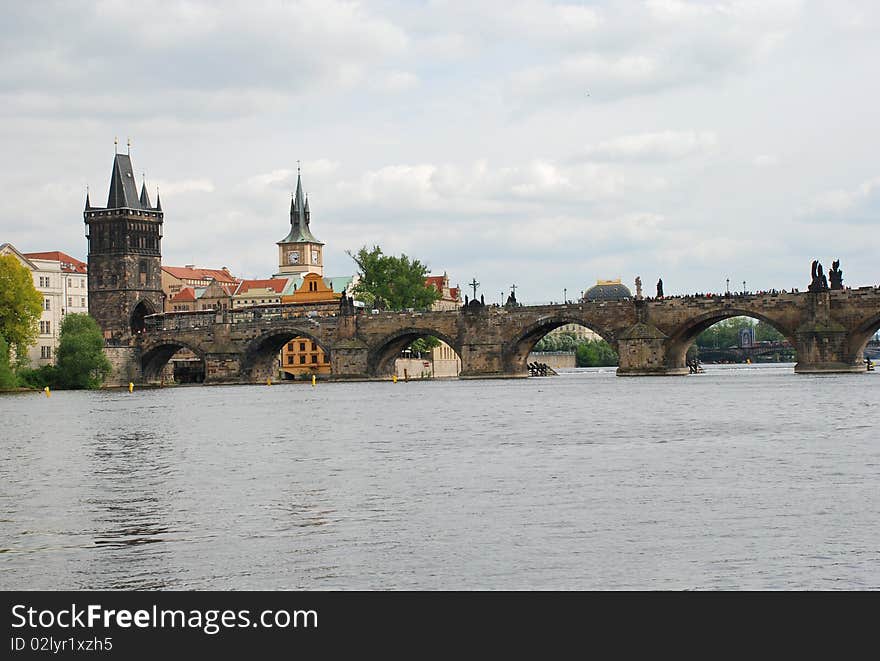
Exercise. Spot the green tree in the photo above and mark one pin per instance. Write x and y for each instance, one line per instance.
(424, 344)
(7, 378)
(596, 353)
(392, 282)
(20, 305)
(81, 362)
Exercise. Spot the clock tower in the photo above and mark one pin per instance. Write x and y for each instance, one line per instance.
(300, 251)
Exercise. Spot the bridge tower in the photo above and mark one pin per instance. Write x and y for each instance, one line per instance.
(125, 256)
(300, 252)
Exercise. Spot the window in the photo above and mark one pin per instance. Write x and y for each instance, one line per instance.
(70, 301)
(290, 360)
(302, 346)
(326, 358)
(290, 346)
(47, 304)
(302, 360)
(82, 302)
(314, 358)
(45, 352)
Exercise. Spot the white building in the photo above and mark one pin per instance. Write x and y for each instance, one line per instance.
(62, 280)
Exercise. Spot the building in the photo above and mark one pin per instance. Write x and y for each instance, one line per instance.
(176, 278)
(125, 256)
(303, 356)
(607, 290)
(63, 282)
(259, 292)
(300, 252)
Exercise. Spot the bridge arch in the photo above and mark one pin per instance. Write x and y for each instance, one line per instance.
(517, 353)
(380, 360)
(684, 336)
(860, 337)
(138, 313)
(261, 353)
(155, 357)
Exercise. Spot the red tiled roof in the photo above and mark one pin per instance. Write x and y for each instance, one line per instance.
(68, 263)
(185, 294)
(454, 292)
(277, 285)
(436, 280)
(185, 273)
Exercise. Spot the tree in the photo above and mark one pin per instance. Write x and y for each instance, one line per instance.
(392, 282)
(424, 344)
(81, 362)
(20, 305)
(596, 353)
(7, 378)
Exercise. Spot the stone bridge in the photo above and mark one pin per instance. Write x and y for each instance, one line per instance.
(829, 331)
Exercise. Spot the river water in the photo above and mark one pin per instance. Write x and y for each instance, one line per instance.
(742, 477)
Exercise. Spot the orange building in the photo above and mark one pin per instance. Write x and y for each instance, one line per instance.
(302, 356)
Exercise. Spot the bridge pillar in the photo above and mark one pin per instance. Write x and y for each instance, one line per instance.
(643, 352)
(481, 361)
(227, 368)
(822, 343)
(350, 359)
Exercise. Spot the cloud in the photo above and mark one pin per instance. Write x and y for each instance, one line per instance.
(860, 205)
(764, 160)
(660, 146)
(190, 58)
(665, 45)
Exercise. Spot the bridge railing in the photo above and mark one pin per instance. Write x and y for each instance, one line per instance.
(172, 321)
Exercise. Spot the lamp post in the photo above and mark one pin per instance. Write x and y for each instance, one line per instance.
(727, 290)
(565, 296)
(744, 287)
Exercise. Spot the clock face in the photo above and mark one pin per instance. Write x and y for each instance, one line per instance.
(293, 257)
(314, 257)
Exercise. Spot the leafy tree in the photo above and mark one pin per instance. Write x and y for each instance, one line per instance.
(596, 353)
(392, 282)
(81, 362)
(557, 342)
(20, 305)
(424, 344)
(7, 378)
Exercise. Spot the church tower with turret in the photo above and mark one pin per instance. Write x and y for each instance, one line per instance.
(300, 251)
(125, 255)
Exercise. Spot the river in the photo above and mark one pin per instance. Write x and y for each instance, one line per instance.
(739, 478)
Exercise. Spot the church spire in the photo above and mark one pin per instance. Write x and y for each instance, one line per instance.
(145, 198)
(299, 217)
(88, 204)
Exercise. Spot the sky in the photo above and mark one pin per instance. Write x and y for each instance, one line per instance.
(528, 142)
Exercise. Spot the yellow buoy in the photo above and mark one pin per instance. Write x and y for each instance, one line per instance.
(394, 379)
(46, 390)
(130, 387)
(314, 380)
(269, 381)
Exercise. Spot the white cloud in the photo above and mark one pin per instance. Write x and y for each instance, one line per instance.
(858, 205)
(663, 145)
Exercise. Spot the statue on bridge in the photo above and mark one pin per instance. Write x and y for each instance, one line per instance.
(819, 281)
(660, 288)
(836, 275)
(638, 288)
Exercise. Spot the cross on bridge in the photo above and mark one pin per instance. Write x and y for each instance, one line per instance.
(474, 284)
